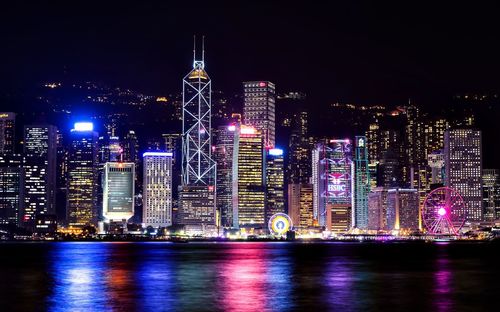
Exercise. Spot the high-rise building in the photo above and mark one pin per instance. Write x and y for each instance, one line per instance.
(39, 182)
(491, 194)
(299, 157)
(157, 189)
(463, 166)
(223, 155)
(275, 184)
(248, 179)
(435, 161)
(377, 209)
(11, 192)
(361, 184)
(7, 132)
(198, 167)
(81, 207)
(332, 183)
(403, 209)
(259, 109)
(300, 206)
(118, 191)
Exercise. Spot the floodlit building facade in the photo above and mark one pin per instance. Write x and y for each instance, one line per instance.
(157, 189)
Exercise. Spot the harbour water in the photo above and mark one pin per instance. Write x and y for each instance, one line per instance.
(249, 276)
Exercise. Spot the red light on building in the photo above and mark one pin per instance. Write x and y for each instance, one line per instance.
(210, 188)
(262, 84)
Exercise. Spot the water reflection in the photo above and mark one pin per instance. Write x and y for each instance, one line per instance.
(79, 271)
(246, 277)
(442, 281)
(255, 277)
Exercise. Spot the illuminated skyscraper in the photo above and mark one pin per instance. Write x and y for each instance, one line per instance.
(300, 205)
(275, 184)
(223, 155)
(332, 180)
(157, 192)
(7, 132)
(81, 207)
(463, 166)
(39, 182)
(11, 176)
(118, 191)
(248, 179)
(259, 109)
(361, 184)
(198, 167)
(491, 194)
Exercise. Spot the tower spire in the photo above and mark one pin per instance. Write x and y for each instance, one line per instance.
(194, 50)
(203, 49)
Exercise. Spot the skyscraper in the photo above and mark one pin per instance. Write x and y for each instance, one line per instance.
(332, 180)
(491, 194)
(223, 155)
(275, 184)
(81, 207)
(118, 191)
(198, 167)
(361, 184)
(463, 166)
(39, 182)
(259, 109)
(157, 189)
(248, 179)
(11, 192)
(7, 132)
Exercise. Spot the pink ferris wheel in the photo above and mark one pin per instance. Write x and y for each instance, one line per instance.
(443, 212)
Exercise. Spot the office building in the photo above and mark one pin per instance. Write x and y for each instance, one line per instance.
(361, 184)
(248, 179)
(259, 109)
(7, 132)
(39, 181)
(275, 183)
(11, 191)
(491, 194)
(403, 210)
(198, 167)
(157, 189)
(81, 207)
(463, 167)
(332, 183)
(223, 155)
(118, 191)
(377, 209)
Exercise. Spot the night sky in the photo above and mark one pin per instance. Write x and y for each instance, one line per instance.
(369, 53)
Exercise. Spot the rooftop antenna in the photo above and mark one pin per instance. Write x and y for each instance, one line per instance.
(194, 50)
(203, 49)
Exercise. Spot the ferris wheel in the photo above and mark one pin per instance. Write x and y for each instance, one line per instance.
(443, 212)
